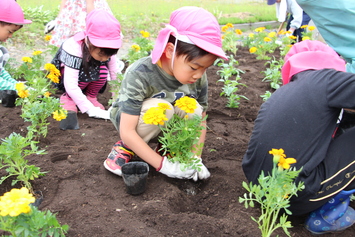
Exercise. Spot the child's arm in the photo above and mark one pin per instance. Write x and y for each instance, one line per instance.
(89, 6)
(6, 81)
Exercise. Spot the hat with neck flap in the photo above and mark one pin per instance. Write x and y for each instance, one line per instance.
(192, 25)
(11, 12)
(308, 55)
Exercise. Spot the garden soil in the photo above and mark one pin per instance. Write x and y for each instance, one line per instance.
(94, 202)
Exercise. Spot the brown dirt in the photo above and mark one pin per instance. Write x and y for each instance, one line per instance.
(94, 202)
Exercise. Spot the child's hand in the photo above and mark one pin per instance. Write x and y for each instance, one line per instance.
(96, 112)
(203, 173)
(50, 26)
(173, 170)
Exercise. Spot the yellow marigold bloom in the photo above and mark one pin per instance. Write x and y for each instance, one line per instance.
(15, 202)
(27, 59)
(238, 31)
(260, 29)
(286, 163)
(187, 104)
(289, 45)
(251, 35)
(277, 153)
(229, 25)
(272, 34)
(59, 115)
(23, 93)
(163, 106)
(304, 26)
(47, 37)
(306, 38)
(253, 49)
(145, 34)
(136, 47)
(224, 28)
(155, 116)
(54, 78)
(311, 28)
(282, 32)
(48, 66)
(223, 36)
(47, 94)
(36, 52)
(292, 37)
(20, 86)
(267, 39)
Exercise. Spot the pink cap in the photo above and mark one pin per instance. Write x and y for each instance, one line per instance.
(307, 55)
(193, 25)
(11, 12)
(102, 29)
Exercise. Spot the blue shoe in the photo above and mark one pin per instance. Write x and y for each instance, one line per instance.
(316, 224)
(335, 215)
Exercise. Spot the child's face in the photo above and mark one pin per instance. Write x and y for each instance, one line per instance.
(189, 72)
(6, 31)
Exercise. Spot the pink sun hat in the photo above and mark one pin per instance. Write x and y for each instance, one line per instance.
(11, 12)
(307, 55)
(192, 25)
(102, 29)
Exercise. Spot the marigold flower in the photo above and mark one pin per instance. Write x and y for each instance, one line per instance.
(229, 25)
(267, 39)
(15, 202)
(304, 26)
(238, 32)
(292, 37)
(251, 35)
(23, 93)
(260, 29)
(47, 94)
(36, 52)
(186, 104)
(136, 47)
(145, 34)
(48, 66)
(223, 36)
(224, 28)
(286, 163)
(53, 77)
(253, 49)
(155, 116)
(47, 37)
(306, 38)
(59, 115)
(272, 34)
(27, 59)
(311, 28)
(163, 106)
(20, 86)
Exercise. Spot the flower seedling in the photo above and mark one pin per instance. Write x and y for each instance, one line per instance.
(273, 193)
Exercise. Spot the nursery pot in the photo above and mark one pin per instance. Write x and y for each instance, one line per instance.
(135, 175)
(70, 122)
(8, 98)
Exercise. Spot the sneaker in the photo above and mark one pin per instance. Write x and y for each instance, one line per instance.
(94, 101)
(119, 155)
(318, 224)
(68, 103)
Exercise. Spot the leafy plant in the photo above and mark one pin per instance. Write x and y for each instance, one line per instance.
(20, 218)
(180, 139)
(262, 42)
(266, 96)
(230, 38)
(273, 73)
(142, 47)
(273, 193)
(13, 151)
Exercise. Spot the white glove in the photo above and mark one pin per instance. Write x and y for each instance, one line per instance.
(96, 112)
(50, 26)
(173, 170)
(203, 173)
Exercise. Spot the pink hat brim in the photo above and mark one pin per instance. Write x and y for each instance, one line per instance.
(112, 44)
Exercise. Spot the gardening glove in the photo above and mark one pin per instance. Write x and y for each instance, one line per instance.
(96, 112)
(203, 173)
(50, 26)
(173, 170)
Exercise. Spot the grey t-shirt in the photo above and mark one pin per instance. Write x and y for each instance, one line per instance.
(144, 80)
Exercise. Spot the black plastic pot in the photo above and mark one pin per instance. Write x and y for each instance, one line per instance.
(8, 98)
(135, 175)
(70, 122)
